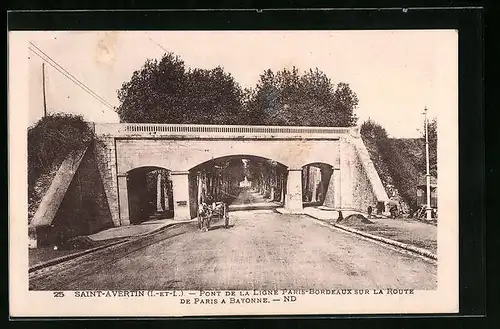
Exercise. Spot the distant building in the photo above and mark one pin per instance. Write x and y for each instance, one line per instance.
(422, 192)
(245, 183)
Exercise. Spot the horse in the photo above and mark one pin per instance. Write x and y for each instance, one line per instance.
(204, 216)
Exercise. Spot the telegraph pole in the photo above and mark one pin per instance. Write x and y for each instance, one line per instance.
(428, 210)
(43, 88)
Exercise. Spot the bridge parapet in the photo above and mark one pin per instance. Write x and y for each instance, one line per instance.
(219, 131)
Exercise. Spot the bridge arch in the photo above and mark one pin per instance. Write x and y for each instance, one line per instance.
(229, 156)
(319, 160)
(316, 177)
(221, 179)
(150, 194)
(178, 155)
(241, 151)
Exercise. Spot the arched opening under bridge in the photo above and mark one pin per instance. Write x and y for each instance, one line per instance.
(316, 183)
(150, 194)
(243, 181)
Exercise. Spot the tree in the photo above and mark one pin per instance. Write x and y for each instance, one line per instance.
(262, 102)
(373, 131)
(166, 92)
(213, 97)
(260, 172)
(310, 99)
(155, 93)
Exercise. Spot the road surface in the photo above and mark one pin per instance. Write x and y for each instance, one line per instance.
(263, 250)
(248, 196)
(249, 200)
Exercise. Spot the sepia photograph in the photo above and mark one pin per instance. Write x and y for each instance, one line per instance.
(234, 172)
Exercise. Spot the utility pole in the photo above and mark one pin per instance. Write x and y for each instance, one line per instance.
(428, 209)
(43, 88)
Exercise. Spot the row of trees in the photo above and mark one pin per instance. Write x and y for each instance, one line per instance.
(165, 91)
(263, 174)
(310, 99)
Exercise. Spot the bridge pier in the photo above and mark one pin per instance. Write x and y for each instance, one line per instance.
(337, 202)
(293, 197)
(123, 199)
(180, 187)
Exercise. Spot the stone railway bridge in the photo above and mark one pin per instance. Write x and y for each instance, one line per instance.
(180, 149)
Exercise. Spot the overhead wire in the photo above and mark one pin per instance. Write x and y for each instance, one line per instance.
(156, 43)
(60, 71)
(72, 76)
(68, 75)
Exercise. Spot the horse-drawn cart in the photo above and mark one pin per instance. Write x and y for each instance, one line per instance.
(208, 213)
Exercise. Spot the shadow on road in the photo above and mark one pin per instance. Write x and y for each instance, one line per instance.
(216, 227)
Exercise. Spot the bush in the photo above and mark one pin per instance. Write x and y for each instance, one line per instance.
(51, 139)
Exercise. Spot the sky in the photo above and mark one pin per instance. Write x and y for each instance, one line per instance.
(396, 74)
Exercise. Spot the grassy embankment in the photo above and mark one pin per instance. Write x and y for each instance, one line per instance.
(50, 141)
(400, 163)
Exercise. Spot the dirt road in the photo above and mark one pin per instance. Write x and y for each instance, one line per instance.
(248, 196)
(251, 200)
(263, 250)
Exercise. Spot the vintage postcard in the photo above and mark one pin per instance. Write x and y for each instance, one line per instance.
(205, 173)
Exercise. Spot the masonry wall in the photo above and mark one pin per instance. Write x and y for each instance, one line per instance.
(363, 195)
(105, 155)
(358, 178)
(84, 209)
(330, 194)
(347, 174)
(367, 189)
(368, 168)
